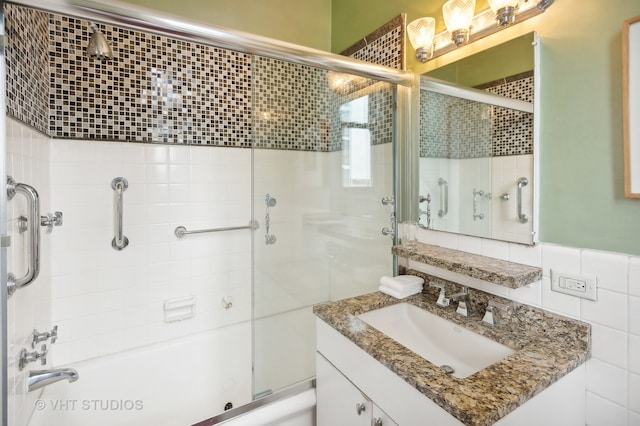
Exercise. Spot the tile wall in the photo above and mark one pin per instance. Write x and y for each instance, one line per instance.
(613, 372)
(30, 307)
(27, 57)
(385, 46)
(451, 127)
(500, 174)
(108, 301)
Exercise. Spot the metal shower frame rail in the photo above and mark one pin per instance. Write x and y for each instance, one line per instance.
(451, 89)
(134, 17)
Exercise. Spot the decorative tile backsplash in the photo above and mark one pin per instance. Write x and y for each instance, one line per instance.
(385, 46)
(292, 104)
(27, 58)
(451, 127)
(159, 89)
(156, 89)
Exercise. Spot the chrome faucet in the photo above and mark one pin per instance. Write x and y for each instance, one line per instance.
(488, 315)
(41, 378)
(462, 298)
(442, 299)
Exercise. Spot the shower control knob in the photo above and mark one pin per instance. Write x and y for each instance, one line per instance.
(377, 422)
(27, 357)
(360, 408)
(42, 337)
(51, 220)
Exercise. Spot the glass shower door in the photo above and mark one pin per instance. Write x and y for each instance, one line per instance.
(322, 162)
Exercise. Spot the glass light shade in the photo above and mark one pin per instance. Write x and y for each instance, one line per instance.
(421, 32)
(458, 14)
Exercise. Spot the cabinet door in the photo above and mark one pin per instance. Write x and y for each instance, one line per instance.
(340, 403)
(380, 418)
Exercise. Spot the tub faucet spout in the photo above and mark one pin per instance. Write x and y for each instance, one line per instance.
(41, 378)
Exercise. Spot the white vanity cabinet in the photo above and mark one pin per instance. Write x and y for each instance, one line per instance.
(340, 402)
(346, 373)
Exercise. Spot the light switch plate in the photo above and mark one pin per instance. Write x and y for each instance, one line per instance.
(584, 286)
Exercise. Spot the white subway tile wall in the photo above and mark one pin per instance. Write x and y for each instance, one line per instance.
(105, 301)
(27, 162)
(464, 176)
(613, 372)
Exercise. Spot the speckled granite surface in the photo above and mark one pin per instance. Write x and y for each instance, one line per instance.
(501, 272)
(547, 346)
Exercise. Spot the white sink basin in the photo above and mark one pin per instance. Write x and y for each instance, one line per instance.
(436, 339)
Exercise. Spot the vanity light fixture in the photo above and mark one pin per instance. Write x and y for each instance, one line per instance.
(505, 11)
(458, 15)
(460, 20)
(421, 32)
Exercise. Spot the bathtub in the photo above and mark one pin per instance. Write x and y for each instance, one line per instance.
(181, 382)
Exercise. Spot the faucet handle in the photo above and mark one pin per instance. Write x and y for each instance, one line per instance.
(442, 299)
(462, 298)
(27, 357)
(43, 355)
(42, 337)
(488, 315)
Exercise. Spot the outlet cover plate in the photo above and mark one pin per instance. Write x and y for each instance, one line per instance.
(584, 286)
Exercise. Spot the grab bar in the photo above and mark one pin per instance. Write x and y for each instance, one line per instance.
(181, 231)
(119, 185)
(33, 225)
(444, 198)
(522, 182)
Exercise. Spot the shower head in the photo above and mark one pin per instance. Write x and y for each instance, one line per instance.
(98, 46)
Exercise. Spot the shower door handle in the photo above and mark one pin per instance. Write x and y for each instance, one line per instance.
(522, 182)
(33, 227)
(119, 185)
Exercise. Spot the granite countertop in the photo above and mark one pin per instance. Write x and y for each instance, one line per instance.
(497, 271)
(547, 346)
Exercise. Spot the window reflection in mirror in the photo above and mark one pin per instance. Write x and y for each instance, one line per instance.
(479, 149)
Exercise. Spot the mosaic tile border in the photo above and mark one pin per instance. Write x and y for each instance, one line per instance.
(479, 130)
(27, 70)
(384, 46)
(156, 89)
(162, 90)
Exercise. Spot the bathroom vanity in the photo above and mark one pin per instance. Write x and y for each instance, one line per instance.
(366, 377)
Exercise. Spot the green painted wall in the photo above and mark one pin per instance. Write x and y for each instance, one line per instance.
(307, 22)
(582, 202)
(507, 59)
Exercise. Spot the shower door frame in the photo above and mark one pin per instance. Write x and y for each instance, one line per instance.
(137, 18)
(4, 414)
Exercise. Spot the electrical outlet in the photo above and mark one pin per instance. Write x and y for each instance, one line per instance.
(576, 285)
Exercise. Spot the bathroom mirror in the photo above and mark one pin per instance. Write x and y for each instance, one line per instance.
(477, 144)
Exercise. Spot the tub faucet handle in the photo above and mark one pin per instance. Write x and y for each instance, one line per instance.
(27, 357)
(42, 337)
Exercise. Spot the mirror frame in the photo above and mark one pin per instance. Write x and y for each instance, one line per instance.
(535, 184)
(631, 105)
